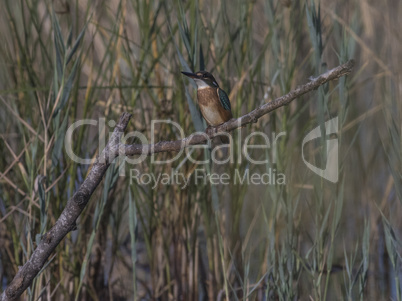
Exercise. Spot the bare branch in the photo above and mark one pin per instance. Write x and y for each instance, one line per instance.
(68, 217)
(75, 206)
(253, 116)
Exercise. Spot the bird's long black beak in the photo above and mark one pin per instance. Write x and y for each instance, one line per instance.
(189, 74)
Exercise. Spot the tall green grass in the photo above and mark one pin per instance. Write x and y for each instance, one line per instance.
(308, 239)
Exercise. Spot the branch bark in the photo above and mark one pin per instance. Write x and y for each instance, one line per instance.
(75, 206)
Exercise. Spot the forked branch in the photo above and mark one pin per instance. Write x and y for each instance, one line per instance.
(114, 148)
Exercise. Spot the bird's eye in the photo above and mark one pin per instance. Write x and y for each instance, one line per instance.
(204, 76)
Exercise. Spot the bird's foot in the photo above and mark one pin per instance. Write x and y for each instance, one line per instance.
(210, 131)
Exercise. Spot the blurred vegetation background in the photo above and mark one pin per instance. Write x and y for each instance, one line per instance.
(310, 239)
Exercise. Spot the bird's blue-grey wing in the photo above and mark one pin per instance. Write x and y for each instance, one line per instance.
(223, 97)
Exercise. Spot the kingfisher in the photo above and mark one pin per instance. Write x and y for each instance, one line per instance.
(213, 101)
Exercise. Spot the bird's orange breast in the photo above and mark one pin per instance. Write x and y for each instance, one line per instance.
(211, 107)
